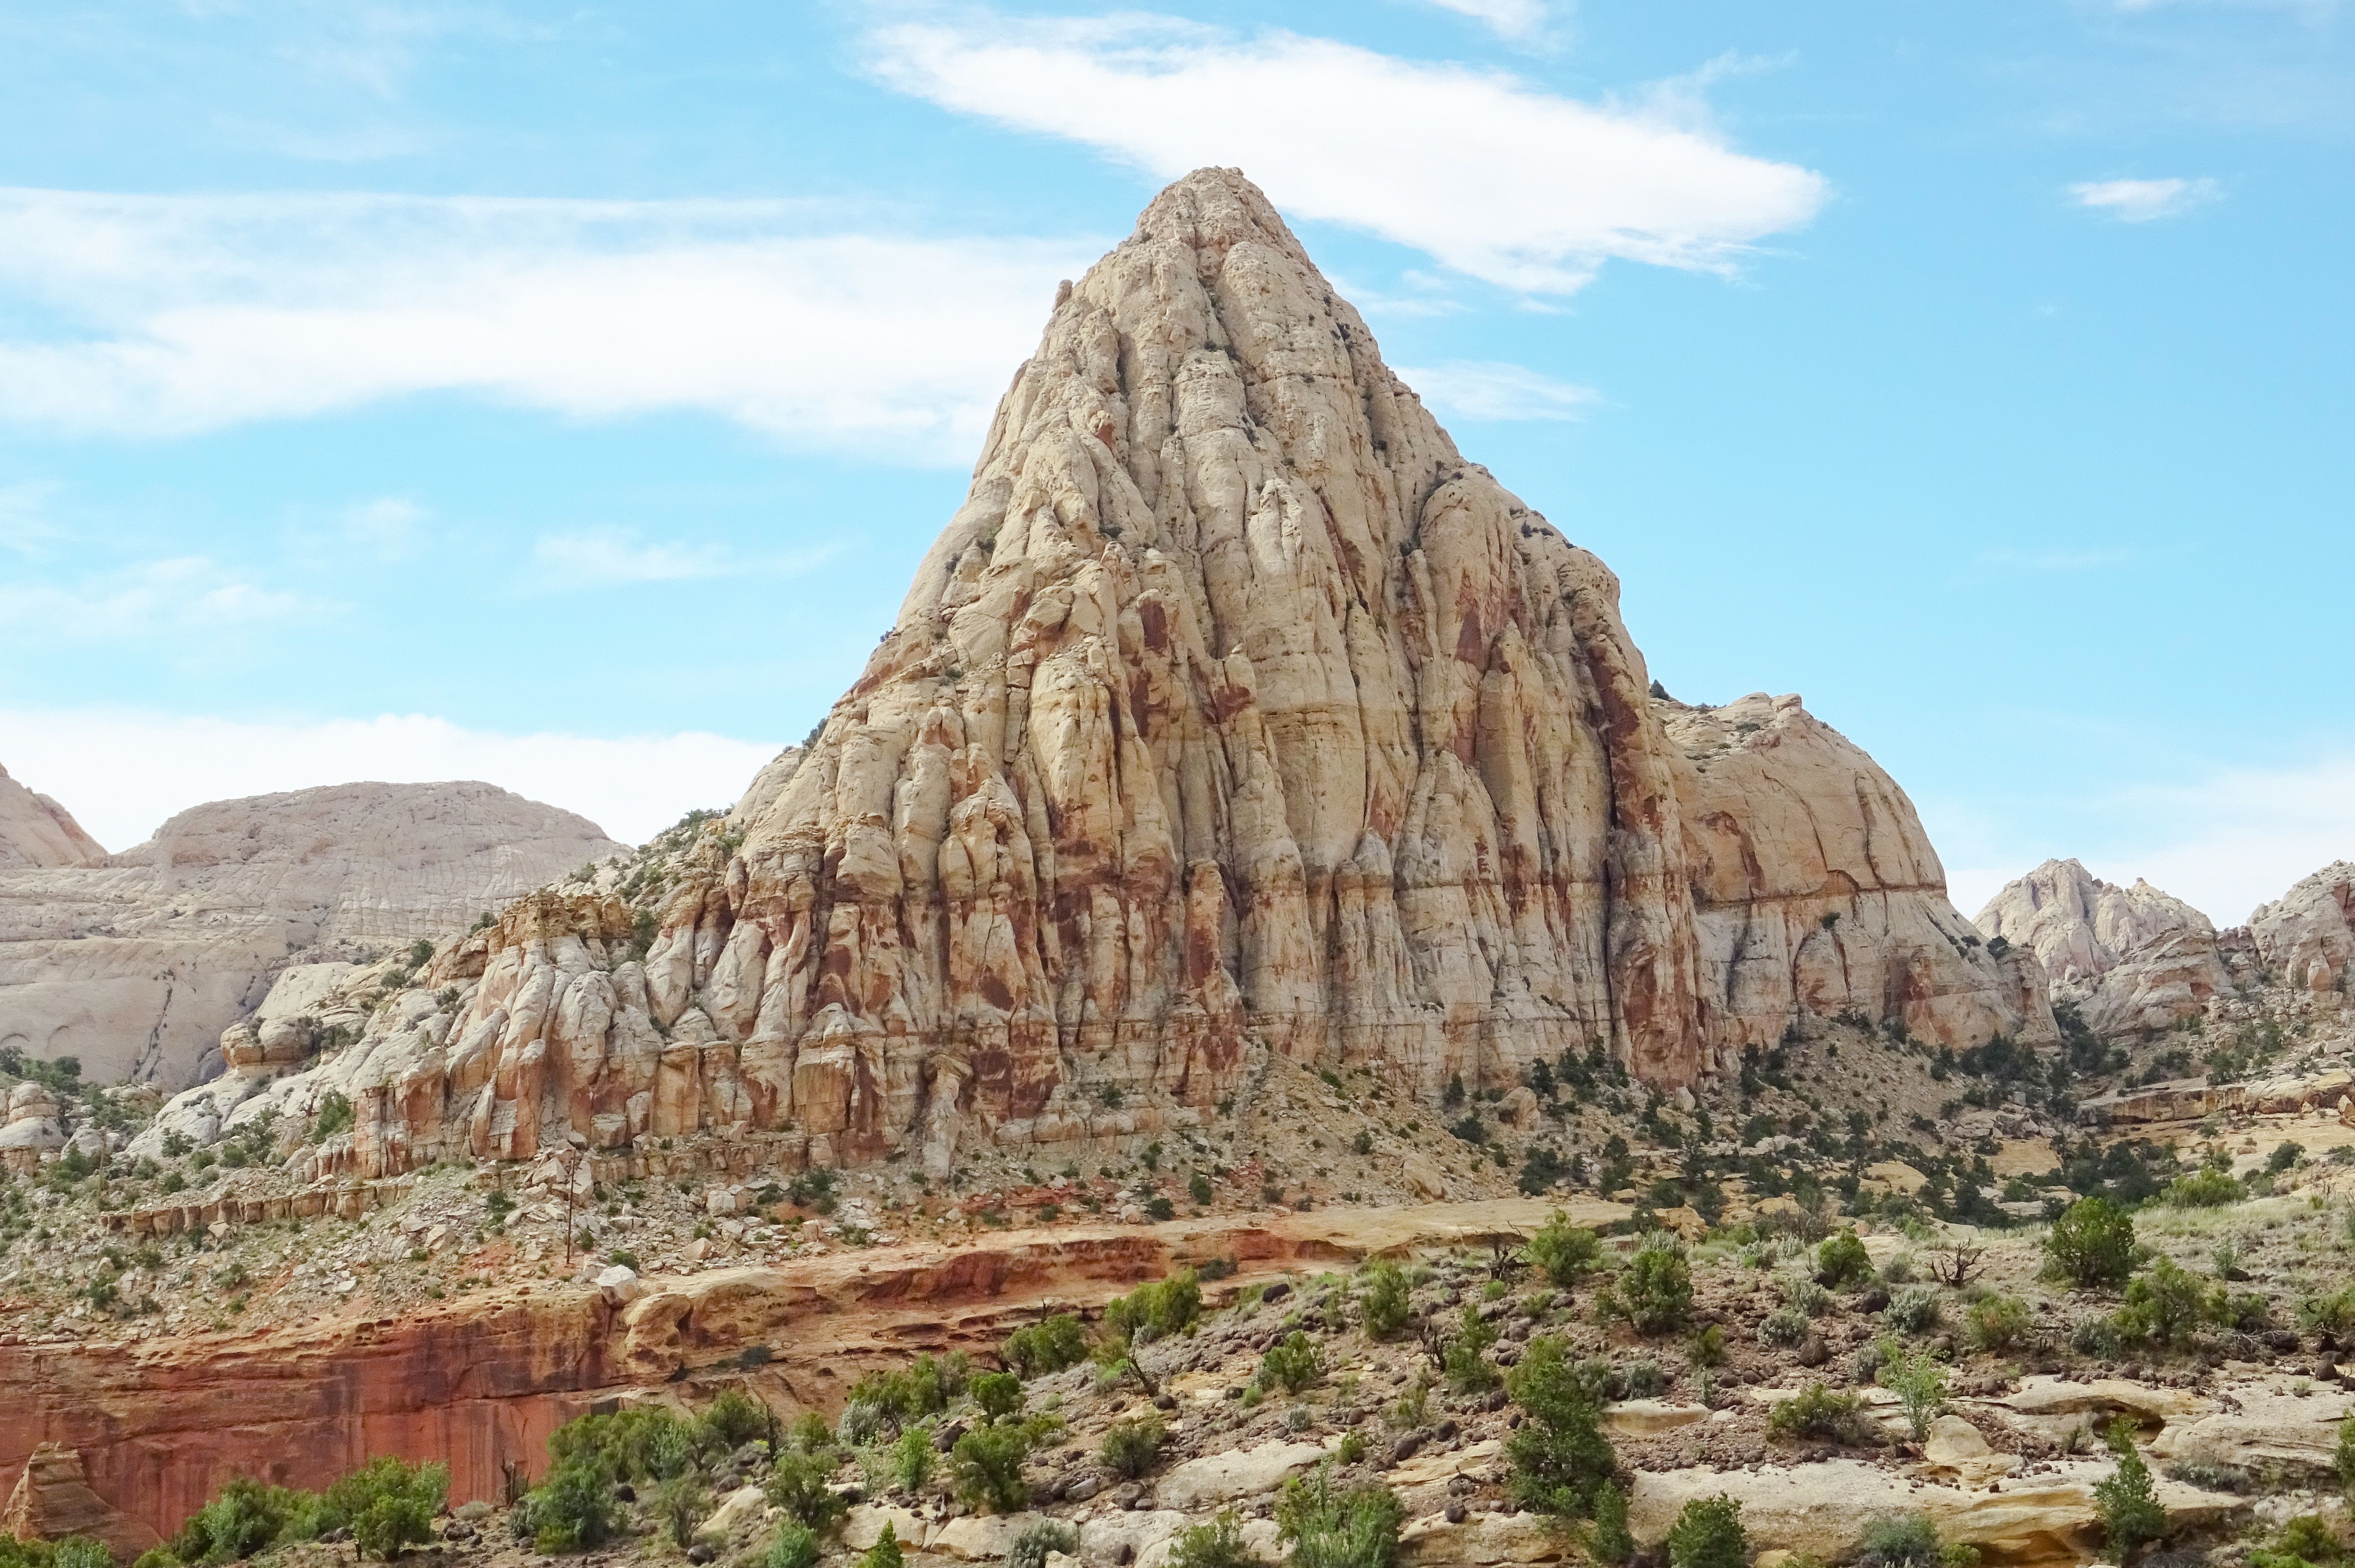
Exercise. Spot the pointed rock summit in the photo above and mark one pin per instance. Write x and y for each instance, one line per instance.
(1234, 712)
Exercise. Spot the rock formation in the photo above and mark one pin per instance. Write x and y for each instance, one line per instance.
(135, 963)
(37, 831)
(2306, 937)
(1233, 711)
(2129, 958)
(52, 1501)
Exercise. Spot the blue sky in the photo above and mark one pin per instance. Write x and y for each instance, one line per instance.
(562, 395)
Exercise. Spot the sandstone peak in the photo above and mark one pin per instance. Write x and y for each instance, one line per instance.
(37, 831)
(1232, 713)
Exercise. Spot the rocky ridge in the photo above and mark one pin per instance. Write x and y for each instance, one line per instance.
(2127, 958)
(134, 963)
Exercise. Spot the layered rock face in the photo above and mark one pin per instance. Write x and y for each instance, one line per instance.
(2130, 959)
(37, 831)
(2306, 937)
(1234, 710)
(136, 962)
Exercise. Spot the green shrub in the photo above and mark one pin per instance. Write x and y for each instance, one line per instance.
(1709, 1534)
(2163, 1304)
(1197, 1188)
(73, 1551)
(570, 1510)
(885, 1553)
(1000, 1394)
(681, 1503)
(1290, 1364)
(1030, 1548)
(1218, 1545)
(1655, 1294)
(798, 1484)
(1842, 1261)
(1998, 1323)
(334, 1115)
(641, 1443)
(2206, 1189)
(1819, 1412)
(1910, 1540)
(1559, 1457)
(1383, 1299)
(2131, 1514)
(1466, 1360)
(1132, 1445)
(1155, 1311)
(987, 1465)
(911, 1459)
(1918, 1381)
(2091, 1245)
(1610, 1540)
(793, 1546)
(1354, 1527)
(2304, 1541)
(2345, 1456)
(730, 1422)
(388, 1505)
(1565, 1253)
(80, 1551)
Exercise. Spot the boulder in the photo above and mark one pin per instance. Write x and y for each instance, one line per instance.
(1216, 1478)
(52, 1499)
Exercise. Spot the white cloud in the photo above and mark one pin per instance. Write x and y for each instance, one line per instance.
(1491, 175)
(177, 315)
(149, 598)
(25, 526)
(1487, 389)
(608, 557)
(121, 773)
(2141, 201)
(390, 527)
(1508, 18)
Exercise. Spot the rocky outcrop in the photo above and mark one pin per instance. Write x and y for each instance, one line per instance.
(2306, 937)
(2129, 958)
(52, 1500)
(136, 962)
(30, 1127)
(1235, 712)
(37, 831)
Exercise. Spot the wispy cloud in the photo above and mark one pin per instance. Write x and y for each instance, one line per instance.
(148, 600)
(1492, 175)
(25, 526)
(2143, 201)
(389, 528)
(1516, 19)
(174, 314)
(102, 765)
(606, 558)
(1487, 390)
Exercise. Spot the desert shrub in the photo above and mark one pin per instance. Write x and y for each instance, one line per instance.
(1382, 1303)
(2206, 1189)
(2094, 1337)
(1000, 1394)
(572, 1509)
(911, 1459)
(2304, 1541)
(1330, 1526)
(793, 1546)
(987, 1465)
(885, 1553)
(1563, 1252)
(1709, 1534)
(2091, 1245)
(1030, 1548)
(1218, 1545)
(2345, 1456)
(1810, 1299)
(1783, 1328)
(1918, 1381)
(681, 1503)
(244, 1517)
(1559, 1458)
(1466, 1360)
(2131, 1514)
(334, 1115)
(796, 1484)
(645, 1443)
(1155, 1311)
(1610, 1540)
(2334, 1313)
(1998, 1323)
(1910, 1540)
(2163, 1304)
(388, 1504)
(1656, 1293)
(730, 1422)
(1912, 1310)
(1046, 1346)
(1131, 1447)
(1842, 1261)
(1820, 1412)
(1290, 1365)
